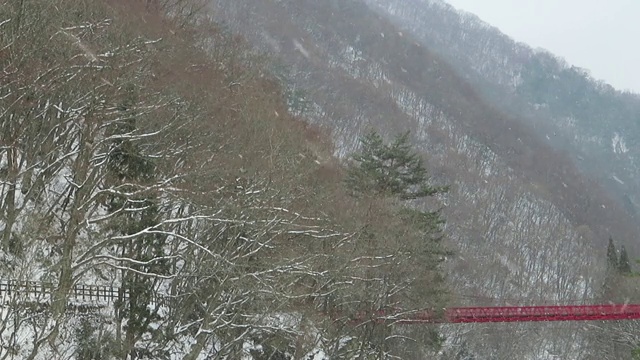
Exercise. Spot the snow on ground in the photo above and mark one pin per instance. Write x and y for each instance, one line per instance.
(301, 48)
(618, 144)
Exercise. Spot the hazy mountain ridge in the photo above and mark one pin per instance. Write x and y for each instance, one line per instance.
(572, 110)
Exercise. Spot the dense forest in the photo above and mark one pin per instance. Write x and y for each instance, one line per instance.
(146, 149)
(261, 179)
(529, 210)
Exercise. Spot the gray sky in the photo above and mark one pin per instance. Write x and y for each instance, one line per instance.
(601, 36)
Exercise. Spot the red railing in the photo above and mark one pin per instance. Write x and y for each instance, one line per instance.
(523, 314)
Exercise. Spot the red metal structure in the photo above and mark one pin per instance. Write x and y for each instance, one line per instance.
(521, 314)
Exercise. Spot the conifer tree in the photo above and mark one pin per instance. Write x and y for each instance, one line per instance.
(393, 169)
(613, 270)
(612, 255)
(624, 266)
(130, 169)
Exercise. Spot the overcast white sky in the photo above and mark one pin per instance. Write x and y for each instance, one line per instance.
(602, 36)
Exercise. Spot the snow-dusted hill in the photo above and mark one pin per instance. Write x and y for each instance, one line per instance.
(595, 124)
(164, 161)
(528, 226)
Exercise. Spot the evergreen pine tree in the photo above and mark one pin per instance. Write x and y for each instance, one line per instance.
(624, 266)
(129, 168)
(612, 255)
(393, 169)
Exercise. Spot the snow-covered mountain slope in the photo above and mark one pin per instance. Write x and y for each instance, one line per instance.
(528, 226)
(595, 124)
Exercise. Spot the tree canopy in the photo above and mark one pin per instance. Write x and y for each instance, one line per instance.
(390, 169)
(612, 255)
(624, 266)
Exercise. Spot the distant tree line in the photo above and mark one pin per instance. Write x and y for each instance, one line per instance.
(618, 260)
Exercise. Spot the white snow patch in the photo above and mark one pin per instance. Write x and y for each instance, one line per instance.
(247, 347)
(301, 48)
(618, 144)
(617, 179)
(316, 355)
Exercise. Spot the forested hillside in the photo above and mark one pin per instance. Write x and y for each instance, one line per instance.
(528, 223)
(257, 179)
(146, 149)
(596, 125)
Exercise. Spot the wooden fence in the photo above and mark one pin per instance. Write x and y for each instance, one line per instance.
(80, 292)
